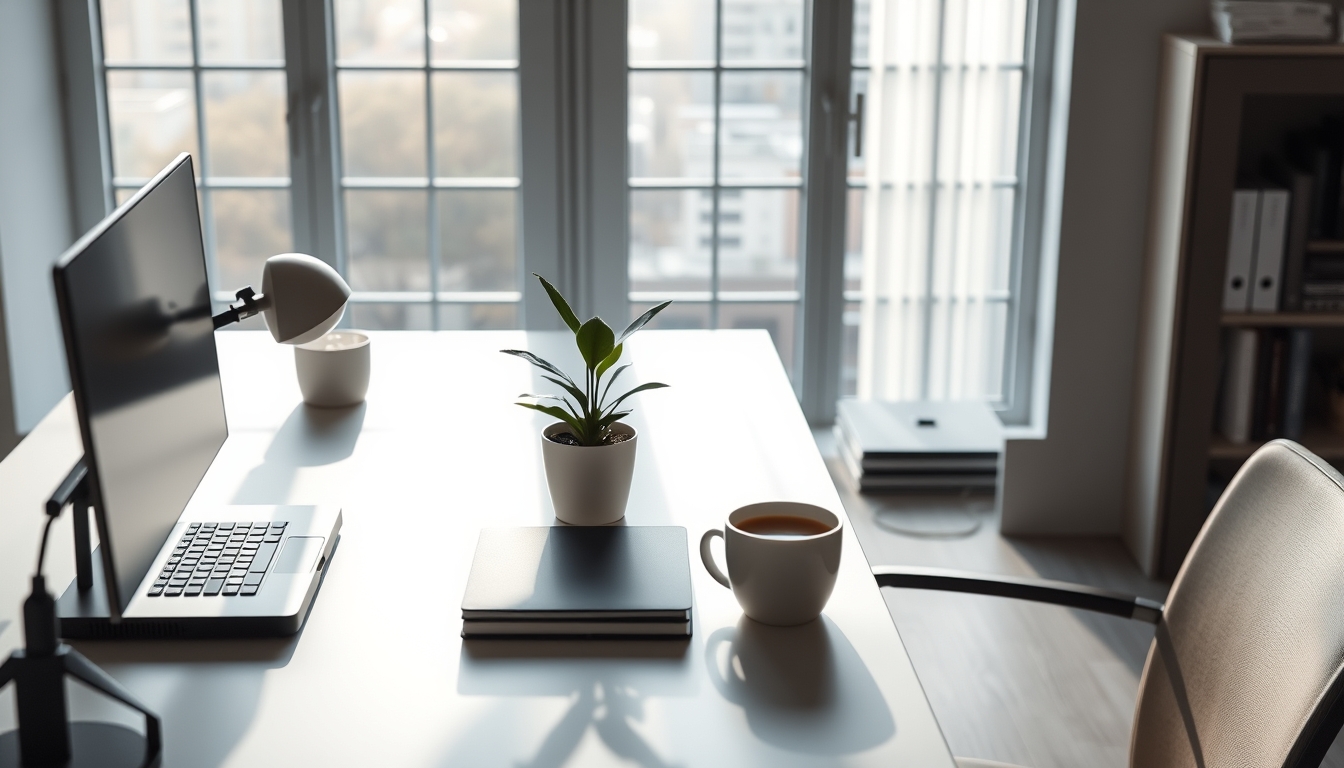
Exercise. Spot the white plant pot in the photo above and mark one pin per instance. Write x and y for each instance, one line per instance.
(589, 484)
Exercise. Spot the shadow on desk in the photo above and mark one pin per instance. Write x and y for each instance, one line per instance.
(606, 681)
(206, 691)
(310, 437)
(804, 689)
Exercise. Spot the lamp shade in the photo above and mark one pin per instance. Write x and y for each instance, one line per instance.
(304, 297)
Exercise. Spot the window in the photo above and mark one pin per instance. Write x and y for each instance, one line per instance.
(667, 149)
(205, 77)
(936, 203)
(429, 161)
(716, 93)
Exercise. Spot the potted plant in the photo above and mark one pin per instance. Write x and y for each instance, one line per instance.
(589, 453)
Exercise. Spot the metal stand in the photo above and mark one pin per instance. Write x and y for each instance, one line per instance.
(46, 737)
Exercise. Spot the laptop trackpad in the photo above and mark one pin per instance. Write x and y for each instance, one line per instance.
(299, 555)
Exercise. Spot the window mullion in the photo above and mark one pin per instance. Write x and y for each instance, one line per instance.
(825, 196)
(310, 77)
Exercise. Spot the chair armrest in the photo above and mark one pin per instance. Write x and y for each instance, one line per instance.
(1036, 590)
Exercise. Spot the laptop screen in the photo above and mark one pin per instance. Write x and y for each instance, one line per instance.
(136, 313)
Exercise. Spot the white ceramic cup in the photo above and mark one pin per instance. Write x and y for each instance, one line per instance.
(334, 369)
(782, 581)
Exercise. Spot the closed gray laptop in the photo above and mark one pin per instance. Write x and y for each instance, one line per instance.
(580, 573)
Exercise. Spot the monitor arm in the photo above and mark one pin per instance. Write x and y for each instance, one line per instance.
(253, 303)
(74, 490)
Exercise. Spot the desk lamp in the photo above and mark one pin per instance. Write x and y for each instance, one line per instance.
(45, 736)
(301, 299)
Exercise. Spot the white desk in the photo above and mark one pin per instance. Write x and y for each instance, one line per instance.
(379, 675)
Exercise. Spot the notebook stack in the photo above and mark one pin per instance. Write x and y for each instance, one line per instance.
(570, 581)
(910, 446)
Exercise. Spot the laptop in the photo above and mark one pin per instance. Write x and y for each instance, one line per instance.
(136, 314)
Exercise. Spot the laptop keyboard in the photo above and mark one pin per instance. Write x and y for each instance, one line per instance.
(219, 559)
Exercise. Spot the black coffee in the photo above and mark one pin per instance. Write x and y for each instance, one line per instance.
(783, 526)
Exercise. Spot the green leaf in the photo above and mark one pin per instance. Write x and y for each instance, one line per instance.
(541, 397)
(555, 412)
(640, 388)
(540, 363)
(575, 391)
(641, 321)
(610, 360)
(561, 305)
(612, 380)
(612, 418)
(595, 341)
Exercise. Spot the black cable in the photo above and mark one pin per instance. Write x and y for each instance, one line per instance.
(42, 549)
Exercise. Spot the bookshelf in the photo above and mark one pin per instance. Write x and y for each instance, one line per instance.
(1222, 110)
(1284, 319)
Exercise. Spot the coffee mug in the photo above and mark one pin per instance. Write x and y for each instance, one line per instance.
(783, 557)
(334, 369)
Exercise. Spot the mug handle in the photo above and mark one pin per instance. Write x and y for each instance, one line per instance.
(708, 557)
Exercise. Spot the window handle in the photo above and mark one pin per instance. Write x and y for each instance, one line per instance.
(857, 117)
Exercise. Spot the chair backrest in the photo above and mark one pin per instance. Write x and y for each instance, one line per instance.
(1245, 669)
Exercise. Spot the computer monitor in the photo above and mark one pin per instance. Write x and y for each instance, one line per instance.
(135, 310)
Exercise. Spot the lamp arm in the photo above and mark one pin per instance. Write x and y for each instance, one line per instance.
(253, 303)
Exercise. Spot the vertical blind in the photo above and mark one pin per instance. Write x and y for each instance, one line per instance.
(942, 188)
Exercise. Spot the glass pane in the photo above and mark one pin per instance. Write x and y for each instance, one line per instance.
(671, 30)
(670, 233)
(762, 134)
(383, 123)
(153, 116)
(854, 240)
(858, 84)
(387, 240)
(762, 30)
(863, 11)
(251, 226)
(476, 123)
(777, 319)
(984, 30)
(146, 31)
(245, 123)
(478, 242)
(240, 30)
(849, 353)
(463, 30)
(681, 315)
(478, 317)
(122, 195)
(758, 239)
(390, 317)
(671, 128)
(380, 30)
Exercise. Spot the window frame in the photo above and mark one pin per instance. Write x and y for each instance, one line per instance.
(573, 203)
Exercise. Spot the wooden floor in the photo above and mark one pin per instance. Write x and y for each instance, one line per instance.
(1035, 685)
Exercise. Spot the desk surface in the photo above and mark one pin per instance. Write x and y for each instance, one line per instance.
(379, 674)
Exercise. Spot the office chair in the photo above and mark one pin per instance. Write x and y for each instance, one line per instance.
(1247, 665)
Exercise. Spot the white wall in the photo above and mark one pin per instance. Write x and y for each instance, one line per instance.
(35, 224)
(1072, 482)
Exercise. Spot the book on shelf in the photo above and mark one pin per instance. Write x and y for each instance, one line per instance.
(1241, 250)
(1266, 375)
(1270, 235)
(1296, 381)
(1295, 248)
(1238, 385)
(579, 580)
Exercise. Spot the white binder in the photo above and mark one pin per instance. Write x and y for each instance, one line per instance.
(1241, 250)
(1270, 235)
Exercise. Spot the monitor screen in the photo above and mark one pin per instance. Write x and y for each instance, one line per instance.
(136, 314)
